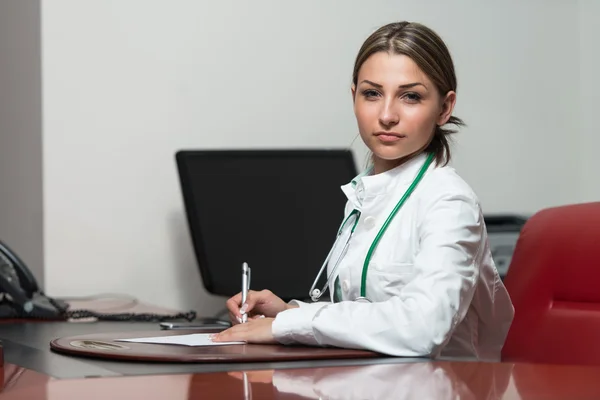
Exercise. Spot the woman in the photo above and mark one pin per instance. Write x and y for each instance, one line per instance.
(417, 276)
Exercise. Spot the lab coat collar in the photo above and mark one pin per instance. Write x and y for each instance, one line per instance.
(367, 184)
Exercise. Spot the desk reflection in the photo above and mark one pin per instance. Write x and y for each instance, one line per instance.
(15, 378)
(421, 380)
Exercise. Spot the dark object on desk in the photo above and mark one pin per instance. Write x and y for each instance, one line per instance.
(21, 297)
(19, 291)
(106, 346)
(278, 210)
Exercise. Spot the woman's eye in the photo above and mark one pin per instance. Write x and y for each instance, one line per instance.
(412, 97)
(369, 93)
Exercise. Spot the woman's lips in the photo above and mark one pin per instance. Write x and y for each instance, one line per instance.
(389, 137)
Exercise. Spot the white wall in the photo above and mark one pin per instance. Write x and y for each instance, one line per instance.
(589, 13)
(20, 132)
(127, 83)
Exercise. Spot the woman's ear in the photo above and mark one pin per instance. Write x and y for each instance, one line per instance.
(353, 90)
(447, 107)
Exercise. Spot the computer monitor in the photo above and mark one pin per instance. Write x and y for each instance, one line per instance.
(277, 210)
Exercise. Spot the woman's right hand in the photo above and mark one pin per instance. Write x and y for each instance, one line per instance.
(258, 304)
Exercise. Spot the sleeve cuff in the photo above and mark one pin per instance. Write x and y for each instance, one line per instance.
(295, 325)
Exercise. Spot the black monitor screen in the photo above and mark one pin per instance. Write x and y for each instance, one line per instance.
(277, 210)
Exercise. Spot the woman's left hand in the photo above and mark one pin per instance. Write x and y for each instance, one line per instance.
(254, 331)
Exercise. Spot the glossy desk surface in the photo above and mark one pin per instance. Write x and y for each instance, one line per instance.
(417, 380)
(32, 371)
(27, 344)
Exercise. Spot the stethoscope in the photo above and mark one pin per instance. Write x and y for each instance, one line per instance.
(315, 294)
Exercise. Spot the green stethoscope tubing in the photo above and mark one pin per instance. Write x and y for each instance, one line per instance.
(409, 191)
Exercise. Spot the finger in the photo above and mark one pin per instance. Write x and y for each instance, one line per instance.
(235, 333)
(234, 319)
(258, 316)
(233, 304)
(251, 300)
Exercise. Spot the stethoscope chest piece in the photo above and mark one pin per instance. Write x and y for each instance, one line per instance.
(315, 295)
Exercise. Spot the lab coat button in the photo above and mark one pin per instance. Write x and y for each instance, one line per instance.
(345, 285)
(369, 222)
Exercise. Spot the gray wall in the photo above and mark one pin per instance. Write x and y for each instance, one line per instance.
(123, 90)
(21, 185)
(589, 83)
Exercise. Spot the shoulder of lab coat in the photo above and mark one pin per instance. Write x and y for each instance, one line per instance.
(419, 320)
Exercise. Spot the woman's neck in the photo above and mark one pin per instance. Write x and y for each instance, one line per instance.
(381, 165)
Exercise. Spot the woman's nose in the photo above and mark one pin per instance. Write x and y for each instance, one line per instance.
(389, 115)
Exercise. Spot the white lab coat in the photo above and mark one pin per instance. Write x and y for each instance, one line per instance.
(434, 288)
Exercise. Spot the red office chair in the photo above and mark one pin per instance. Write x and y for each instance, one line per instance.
(554, 283)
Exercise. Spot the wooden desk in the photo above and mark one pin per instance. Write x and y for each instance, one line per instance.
(421, 380)
(32, 371)
(27, 344)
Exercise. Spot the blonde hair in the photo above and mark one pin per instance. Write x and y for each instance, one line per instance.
(430, 54)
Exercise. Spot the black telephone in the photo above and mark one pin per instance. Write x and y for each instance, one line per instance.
(21, 297)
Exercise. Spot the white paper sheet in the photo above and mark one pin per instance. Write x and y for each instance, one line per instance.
(194, 339)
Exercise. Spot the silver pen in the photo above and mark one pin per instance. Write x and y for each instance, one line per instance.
(245, 287)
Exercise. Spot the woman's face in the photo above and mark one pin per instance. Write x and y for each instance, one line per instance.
(397, 108)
